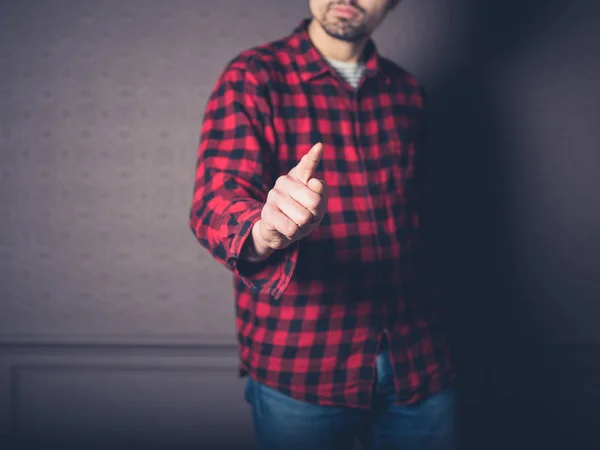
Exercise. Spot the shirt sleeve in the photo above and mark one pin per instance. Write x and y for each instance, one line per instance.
(235, 170)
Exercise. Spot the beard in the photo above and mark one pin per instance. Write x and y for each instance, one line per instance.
(348, 30)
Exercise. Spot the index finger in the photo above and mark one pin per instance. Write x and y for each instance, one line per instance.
(307, 166)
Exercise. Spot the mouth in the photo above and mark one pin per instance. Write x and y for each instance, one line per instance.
(345, 11)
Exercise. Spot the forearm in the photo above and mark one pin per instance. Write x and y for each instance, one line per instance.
(222, 223)
(233, 177)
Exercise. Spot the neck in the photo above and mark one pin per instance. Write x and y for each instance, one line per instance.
(333, 48)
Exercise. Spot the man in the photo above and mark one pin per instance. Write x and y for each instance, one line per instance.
(308, 190)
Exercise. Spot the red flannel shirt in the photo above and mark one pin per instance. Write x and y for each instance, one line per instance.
(311, 318)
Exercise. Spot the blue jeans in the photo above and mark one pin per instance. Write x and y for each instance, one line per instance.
(281, 422)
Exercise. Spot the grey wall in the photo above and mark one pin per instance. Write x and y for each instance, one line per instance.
(116, 326)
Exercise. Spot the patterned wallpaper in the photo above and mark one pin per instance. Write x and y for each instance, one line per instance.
(100, 111)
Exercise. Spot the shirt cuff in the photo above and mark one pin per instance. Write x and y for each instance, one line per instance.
(270, 276)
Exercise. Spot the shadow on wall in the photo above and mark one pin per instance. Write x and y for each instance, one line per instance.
(507, 383)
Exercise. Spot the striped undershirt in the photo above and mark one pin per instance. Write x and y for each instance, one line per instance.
(351, 72)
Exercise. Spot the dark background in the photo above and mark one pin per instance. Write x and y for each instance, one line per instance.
(117, 329)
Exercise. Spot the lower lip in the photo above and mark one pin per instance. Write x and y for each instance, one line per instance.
(348, 13)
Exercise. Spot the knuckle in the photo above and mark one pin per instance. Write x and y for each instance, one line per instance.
(291, 229)
(283, 181)
(315, 202)
(283, 225)
(266, 212)
(297, 192)
(278, 183)
(306, 197)
(272, 196)
(305, 217)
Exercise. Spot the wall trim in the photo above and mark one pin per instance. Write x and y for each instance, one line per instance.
(205, 342)
(115, 340)
(104, 345)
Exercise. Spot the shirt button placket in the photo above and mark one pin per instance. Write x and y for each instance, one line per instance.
(372, 187)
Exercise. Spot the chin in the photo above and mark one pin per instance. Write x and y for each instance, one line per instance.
(345, 35)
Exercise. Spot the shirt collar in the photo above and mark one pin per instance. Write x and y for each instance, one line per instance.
(312, 64)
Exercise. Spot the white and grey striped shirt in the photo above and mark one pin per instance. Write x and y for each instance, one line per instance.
(351, 72)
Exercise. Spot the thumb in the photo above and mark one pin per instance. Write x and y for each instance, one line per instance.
(305, 169)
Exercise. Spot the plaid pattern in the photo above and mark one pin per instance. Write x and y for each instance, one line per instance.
(310, 319)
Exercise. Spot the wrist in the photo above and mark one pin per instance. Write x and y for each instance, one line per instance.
(255, 249)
